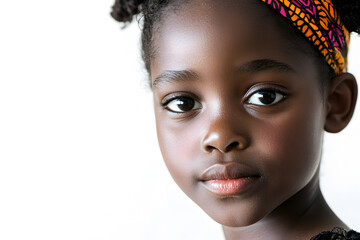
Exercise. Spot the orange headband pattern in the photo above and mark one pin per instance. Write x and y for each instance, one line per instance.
(319, 21)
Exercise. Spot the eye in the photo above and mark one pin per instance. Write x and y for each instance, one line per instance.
(182, 104)
(266, 97)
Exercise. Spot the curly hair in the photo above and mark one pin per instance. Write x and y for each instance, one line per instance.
(153, 12)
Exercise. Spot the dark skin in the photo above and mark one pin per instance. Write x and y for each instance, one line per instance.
(243, 94)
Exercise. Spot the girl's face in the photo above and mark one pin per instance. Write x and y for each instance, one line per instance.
(239, 112)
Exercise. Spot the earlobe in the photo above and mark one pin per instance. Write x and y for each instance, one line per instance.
(340, 102)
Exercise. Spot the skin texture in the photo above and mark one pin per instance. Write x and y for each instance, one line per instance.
(212, 59)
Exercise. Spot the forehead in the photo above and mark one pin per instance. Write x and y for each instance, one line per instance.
(217, 33)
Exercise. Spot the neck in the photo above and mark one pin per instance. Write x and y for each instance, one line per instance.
(300, 217)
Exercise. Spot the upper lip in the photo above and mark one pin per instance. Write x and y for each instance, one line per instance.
(231, 170)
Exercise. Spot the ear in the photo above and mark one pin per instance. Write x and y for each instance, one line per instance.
(340, 102)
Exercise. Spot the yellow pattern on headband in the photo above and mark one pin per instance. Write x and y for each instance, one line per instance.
(319, 21)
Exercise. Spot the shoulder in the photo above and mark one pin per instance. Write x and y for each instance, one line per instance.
(337, 234)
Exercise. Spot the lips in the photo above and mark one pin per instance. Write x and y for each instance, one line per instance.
(229, 179)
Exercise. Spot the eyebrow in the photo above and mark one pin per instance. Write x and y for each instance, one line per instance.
(171, 76)
(254, 66)
(264, 65)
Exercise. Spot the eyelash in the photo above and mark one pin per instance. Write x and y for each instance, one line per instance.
(182, 97)
(275, 90)
(165, 103)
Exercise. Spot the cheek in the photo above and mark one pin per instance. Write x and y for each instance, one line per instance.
(292, 148)
(180, 144)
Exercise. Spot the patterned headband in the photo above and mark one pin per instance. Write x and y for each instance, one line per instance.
(321, 25)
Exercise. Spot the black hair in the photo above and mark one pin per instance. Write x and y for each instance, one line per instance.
(152, 12)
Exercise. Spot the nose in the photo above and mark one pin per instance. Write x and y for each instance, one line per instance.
(224, 136)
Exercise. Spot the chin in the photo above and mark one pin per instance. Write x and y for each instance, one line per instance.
(236, 221)
(235, 216)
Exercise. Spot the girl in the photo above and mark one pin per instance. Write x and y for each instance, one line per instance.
(243, 92)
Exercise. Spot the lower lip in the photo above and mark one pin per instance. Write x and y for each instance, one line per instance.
(229, 187)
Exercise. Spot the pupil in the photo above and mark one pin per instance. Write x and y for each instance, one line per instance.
(267, 97)
(186, 104)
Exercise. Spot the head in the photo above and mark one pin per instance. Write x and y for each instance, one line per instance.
(239, 94)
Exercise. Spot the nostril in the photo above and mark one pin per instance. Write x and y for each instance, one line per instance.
(223, 144)
(231, 146)
(210, 148)
(227, 148)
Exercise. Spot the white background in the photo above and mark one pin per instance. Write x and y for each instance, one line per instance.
(78, 149)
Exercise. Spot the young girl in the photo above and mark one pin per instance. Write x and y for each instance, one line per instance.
(243, 92)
